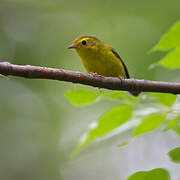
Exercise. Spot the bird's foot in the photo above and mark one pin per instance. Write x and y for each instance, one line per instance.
(94, 74)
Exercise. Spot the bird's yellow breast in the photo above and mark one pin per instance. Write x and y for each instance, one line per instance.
(102, 61)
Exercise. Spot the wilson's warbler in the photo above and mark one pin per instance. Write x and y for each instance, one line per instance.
(100, 58)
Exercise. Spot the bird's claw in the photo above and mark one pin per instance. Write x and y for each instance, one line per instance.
(94, 74)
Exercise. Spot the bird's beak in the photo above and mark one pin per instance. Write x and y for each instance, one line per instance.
(71, 46)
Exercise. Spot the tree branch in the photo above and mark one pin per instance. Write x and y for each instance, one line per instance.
(36, 72)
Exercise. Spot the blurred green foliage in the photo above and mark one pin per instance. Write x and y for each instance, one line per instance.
(116, 117)
(174, 154)
(150, 123)
(38, 127)
(170, 42)
(155, 174)
(112, 119)
(81, 97)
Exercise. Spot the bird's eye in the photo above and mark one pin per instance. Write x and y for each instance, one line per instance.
(84, 42)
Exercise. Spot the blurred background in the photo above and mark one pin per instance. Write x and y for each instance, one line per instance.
(39, 128)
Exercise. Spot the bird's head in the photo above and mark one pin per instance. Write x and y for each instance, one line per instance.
(86, 44)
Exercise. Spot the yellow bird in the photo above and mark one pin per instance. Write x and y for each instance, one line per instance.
(98, 57)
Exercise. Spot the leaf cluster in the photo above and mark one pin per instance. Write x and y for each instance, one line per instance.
(142, 114)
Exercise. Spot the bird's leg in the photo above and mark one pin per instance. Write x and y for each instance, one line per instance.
(121, 77)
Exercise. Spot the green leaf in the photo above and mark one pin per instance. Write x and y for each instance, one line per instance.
(177, 129)
(122, 95)
(154, 174)
(171, 60)
(170, 40)
(173, 124)
(149, 123)
(113, 94)
(109, 121)
(81, 97)
(175, 155)
(174, 117)
(165, 99)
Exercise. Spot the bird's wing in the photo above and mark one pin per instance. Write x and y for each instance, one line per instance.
(125, 68)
